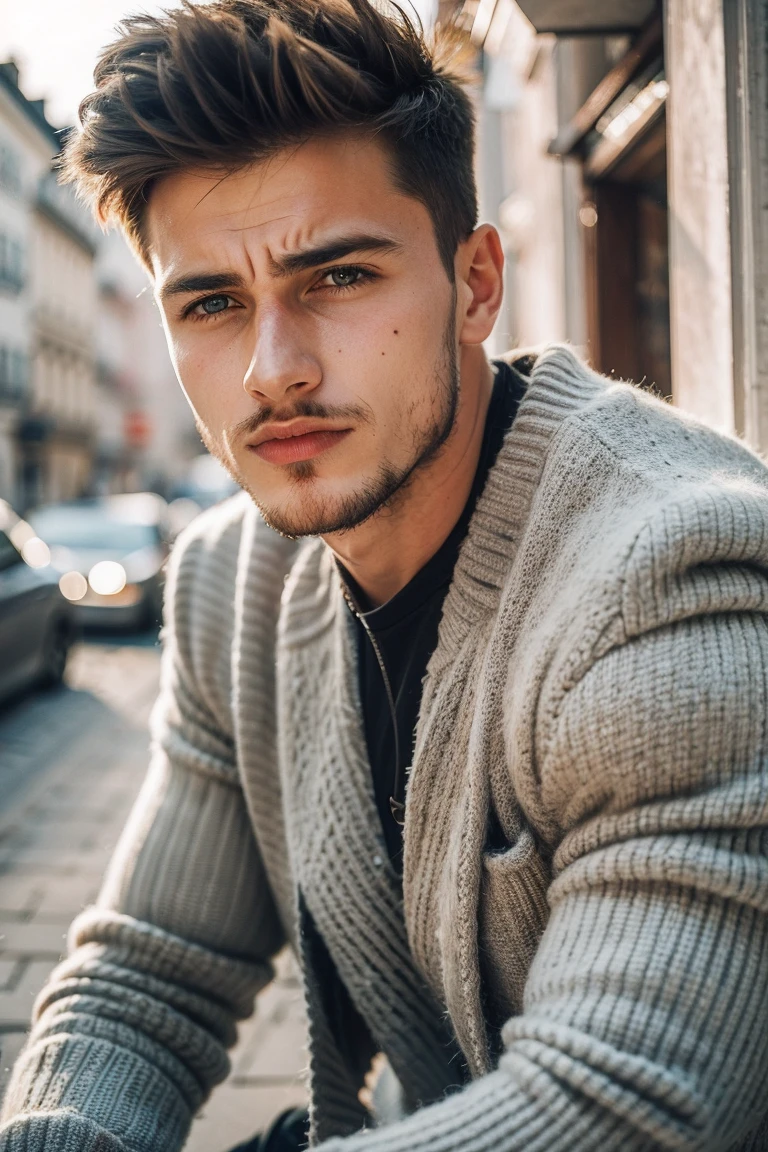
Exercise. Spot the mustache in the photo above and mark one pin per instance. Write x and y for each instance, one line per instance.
(310, 409)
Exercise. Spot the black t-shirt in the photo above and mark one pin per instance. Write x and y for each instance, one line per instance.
(405, 628)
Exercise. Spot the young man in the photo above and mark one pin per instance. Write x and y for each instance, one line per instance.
(480, 729)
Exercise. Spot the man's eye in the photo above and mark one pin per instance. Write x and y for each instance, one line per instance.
(345, 277)
(214, 304)
(210, 307)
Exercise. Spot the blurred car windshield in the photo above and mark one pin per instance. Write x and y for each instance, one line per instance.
(8, 554)
(91, 528)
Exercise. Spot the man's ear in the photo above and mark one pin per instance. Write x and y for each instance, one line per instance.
(480, 283)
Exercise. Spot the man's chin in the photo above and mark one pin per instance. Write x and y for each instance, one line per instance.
(297, 523)
(312, 513)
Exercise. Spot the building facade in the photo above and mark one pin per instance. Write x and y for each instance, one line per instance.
(57, 433)
(624, 153)
(89, 402)
(147, 432)
(27, 144)
(47, 310)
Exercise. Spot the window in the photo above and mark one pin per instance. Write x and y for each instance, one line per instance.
(8, 554)
(18, 371)
(13, 372)
(11, 264)
(625, 169)
(10, 170)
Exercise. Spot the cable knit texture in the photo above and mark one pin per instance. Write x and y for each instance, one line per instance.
(578, 959)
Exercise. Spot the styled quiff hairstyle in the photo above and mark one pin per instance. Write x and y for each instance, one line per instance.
(220, 85)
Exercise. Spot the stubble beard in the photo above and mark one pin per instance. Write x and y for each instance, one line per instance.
(383, 492)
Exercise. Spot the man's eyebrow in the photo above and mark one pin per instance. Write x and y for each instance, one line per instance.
(288, 265)
(200, 282)
(332, 251)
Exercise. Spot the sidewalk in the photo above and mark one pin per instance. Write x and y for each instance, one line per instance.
(56, 836)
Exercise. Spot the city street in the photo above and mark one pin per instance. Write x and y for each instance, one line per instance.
(71, 762)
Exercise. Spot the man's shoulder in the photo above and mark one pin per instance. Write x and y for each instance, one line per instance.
(640, 428)
(648, 455)
(651, 518)
(690, 494)
(224, 548)
(226, 573)
(222, 538)
(218, 527)
(650, 435)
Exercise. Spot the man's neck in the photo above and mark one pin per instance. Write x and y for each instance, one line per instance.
(387, 551)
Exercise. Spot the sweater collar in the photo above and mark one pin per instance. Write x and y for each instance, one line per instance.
(559, 385)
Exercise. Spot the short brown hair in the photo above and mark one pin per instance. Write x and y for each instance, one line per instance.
(224, 84)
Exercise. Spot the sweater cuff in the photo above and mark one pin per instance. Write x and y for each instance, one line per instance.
(62, 1131)
(63, 1082)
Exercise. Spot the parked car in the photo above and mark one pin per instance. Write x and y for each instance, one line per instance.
(109, 554)
(37, 624)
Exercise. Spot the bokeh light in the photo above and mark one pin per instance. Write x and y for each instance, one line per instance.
(36, 552)
(73, 585)
(107, 577)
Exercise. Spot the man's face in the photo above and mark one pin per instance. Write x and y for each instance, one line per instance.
(311, 324)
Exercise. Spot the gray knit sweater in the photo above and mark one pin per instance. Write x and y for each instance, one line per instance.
(597, 696)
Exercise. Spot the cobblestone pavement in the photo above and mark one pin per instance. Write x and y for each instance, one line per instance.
(71, 763)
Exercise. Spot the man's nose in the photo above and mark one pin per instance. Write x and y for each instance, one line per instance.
(281, 362)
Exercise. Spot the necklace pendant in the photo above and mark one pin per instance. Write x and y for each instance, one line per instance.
(397, 808)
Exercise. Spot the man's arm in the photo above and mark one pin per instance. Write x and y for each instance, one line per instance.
(645, 1022)
(130, 1033)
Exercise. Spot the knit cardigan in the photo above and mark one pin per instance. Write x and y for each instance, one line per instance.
(586, 835)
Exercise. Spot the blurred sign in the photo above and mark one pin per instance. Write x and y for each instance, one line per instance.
(138, 429)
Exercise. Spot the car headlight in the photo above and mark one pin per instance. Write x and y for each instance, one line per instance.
(107, 578)
(36, 552)
(73, 586)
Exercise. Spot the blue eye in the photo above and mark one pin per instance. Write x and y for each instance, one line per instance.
(214, 304)
(343, 277)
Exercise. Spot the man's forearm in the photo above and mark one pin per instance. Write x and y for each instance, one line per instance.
(130, 1037)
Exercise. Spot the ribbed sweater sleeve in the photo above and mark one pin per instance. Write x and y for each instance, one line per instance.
(131, 1031)
(645, 1020)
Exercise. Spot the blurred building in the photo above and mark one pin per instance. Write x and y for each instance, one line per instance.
(47, 298)
(89, 402)
(148, 436)
(57, 432)
(27, 143)
(624, 155)
(117, 464)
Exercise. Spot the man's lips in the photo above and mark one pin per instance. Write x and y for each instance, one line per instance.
(290, 447)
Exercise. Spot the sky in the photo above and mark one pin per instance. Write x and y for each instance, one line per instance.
(56, 43)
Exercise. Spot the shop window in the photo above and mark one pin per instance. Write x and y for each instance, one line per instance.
(619, 136)
(625, 179)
